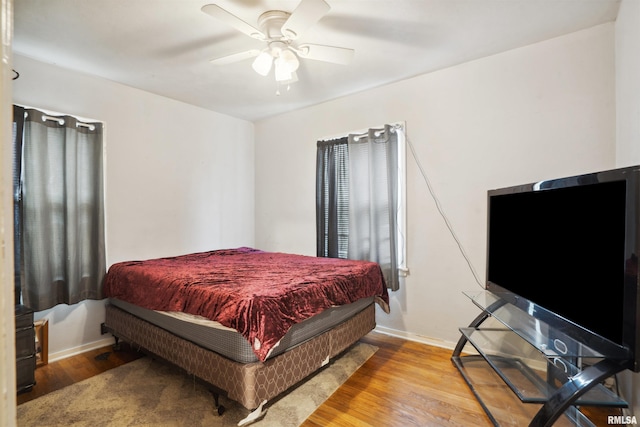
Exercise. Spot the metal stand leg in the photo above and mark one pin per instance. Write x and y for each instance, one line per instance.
(573, 389)
(564, 397)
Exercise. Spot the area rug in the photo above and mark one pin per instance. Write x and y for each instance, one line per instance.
(147, 392)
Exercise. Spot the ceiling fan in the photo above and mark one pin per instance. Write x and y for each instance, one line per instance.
(281, 31)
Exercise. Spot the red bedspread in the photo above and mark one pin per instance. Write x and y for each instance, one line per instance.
(259, 294)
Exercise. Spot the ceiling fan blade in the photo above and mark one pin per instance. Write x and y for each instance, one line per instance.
(235, 57)
(336, 55)
(219, 13)
(304, 16)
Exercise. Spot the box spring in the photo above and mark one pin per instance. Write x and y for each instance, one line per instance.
(247, 383)
(233, 345)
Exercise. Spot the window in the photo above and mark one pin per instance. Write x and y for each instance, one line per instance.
(59, 201)
(360, 199)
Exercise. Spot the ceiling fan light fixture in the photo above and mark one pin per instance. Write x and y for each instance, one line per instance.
(282, 71)
(290, 60)
(286, 65)
(293, 79)
(262, 63)
(279, 29)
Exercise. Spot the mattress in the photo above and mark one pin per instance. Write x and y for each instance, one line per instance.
(231, 344)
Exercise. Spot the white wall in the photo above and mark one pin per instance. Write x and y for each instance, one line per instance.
(178, 178)
(628, 83)
(627, 43)
(542, 111)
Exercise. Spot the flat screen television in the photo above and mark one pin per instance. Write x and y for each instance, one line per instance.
(566, 250)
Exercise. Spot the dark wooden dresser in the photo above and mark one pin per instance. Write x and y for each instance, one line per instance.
(25, 349)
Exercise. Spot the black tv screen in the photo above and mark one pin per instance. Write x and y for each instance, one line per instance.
(570, 246)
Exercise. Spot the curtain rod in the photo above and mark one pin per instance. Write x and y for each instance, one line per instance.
(360, 132)
(377, 133)
(60, 120)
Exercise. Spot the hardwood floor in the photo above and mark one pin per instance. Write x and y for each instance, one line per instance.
(403, 384)
(406, 383)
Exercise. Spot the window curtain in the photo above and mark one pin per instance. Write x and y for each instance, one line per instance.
(63, 255)
(18, 125)
(357, 199)
(373, 198)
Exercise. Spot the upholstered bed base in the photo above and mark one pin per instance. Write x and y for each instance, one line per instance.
(247, 383)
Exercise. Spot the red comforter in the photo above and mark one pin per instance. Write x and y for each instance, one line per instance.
(259, 294)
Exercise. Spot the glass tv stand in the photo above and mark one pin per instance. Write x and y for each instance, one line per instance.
(526, 372)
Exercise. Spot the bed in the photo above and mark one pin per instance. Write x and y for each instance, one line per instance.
(249, 323)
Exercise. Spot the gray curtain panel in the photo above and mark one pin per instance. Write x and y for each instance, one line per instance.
(373, 198)
(63, 255)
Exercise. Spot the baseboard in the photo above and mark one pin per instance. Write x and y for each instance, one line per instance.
(415, 337)
(81, 349)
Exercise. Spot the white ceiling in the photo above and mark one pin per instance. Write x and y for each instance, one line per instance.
(164, 46)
